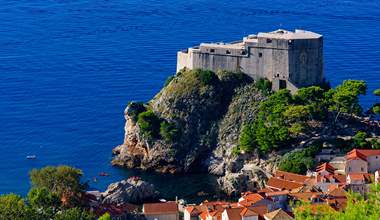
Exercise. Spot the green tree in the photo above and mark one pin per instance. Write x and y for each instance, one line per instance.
(149, 124)
(63, 181)
(359, 140)
(74, 213)
(345, 97)
(270, 128)
(296, 116)
(313, 98)
(45, 203)
(246, 139)
(13, 207)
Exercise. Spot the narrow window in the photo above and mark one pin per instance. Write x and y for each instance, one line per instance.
(260, 54)
(269, 41)
(228, 52)
(361, 169)
(212, 50)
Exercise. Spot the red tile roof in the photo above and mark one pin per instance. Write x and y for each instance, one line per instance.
(248, 212)
(160, 208)
(325, 167)
(281, 184)
(362, 154)
(291, 176)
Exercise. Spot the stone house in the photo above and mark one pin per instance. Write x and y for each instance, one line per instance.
(362, 161)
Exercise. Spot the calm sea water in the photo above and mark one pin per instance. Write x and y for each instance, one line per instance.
(68, 68)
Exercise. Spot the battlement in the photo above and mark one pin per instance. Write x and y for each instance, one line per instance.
(289, 59)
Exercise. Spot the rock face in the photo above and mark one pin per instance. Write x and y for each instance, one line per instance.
(132, 190)
(209, 110)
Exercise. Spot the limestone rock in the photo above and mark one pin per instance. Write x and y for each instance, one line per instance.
(132, 190)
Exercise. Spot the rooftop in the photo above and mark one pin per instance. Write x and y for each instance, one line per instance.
(160, 208)
(289, 35)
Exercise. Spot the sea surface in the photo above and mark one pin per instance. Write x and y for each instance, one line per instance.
(68, 68)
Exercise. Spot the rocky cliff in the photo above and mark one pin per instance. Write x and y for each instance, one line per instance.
(193, 125)
(207, 111)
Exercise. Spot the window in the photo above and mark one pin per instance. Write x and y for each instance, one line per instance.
(260, 54)
(282, 84)
(361, 168)
(212, 50)
(349, 169)
(243, 52)
(228, 52)
(269, 41)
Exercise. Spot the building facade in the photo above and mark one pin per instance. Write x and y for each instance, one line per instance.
(289, 59)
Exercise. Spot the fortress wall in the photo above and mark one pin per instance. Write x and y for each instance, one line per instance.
(216, 62)
(306, 62)
(184, 60)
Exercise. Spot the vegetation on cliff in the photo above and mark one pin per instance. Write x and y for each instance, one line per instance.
(283, 117)
(225, 123)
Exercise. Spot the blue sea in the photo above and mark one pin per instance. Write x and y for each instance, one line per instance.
(68, 68)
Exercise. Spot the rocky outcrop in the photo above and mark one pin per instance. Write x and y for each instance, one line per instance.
(196, 102)
(132, 190)
(209, 110)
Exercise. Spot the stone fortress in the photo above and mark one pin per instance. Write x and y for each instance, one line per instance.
(289, 59)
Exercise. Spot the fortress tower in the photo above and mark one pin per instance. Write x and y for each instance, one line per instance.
(289, 59)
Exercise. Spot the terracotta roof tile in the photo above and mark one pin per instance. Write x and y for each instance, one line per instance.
(160, 208)
(280, 184)
(291, 176)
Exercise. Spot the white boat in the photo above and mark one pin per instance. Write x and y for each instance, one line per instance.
(30, 157)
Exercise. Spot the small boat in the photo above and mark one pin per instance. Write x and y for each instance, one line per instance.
(95, 180)
(103, 174)
(31, 157)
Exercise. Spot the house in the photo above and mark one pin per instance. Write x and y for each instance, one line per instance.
(339, 164)
(239, 213)
(161, 211)
(325, 177)
(278, 214)
(359, 182)
(362, 161)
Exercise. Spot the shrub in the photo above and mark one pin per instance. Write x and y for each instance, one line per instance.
(75, 213)
(264, 85)
(168, 131)
(135, 108)
(149, 124)
(299, 161)
(206, 77)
